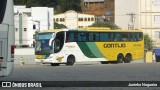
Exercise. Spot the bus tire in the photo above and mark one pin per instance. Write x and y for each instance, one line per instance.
(128, 58)
(120, 58)
(70, 60)
(54, 64)
(104, 62)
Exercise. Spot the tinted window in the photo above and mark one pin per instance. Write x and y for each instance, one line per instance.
(94, 36)
(103, 36)
(2, 9)
(125, 36)
(139, 36)
(82, 36)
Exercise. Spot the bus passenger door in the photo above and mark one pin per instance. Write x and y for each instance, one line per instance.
(2, 58)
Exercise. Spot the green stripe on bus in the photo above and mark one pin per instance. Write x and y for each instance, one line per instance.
(85, 49)
(94, 49)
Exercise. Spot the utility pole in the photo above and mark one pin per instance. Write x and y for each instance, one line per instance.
(132, 20)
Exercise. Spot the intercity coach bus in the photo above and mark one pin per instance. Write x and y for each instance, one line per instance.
(6, 37)
(94, 44)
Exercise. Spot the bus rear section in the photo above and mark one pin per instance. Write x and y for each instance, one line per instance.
(6, 37)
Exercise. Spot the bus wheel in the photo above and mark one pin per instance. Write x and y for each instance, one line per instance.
(128, 58)
(54, 64)
(120, 58)
(104, 62)
(70, 60)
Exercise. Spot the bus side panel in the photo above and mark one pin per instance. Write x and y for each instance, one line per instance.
(110, 50)
(138, 50)
(7, 34)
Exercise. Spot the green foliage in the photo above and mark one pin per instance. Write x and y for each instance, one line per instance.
(35, 35)
(60, 6)
(149, 43)
(59, 26)
(110, 25)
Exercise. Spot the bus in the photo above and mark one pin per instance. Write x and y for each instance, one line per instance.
(95, 44)
(7, 37)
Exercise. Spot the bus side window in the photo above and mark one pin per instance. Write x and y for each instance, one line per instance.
(113, 37)
(132, 37)
(87, 37)
(139, 36)
(117, 36)
(104, 37)
(75, 37)
(90, 37)
(97, 37)
(68, 37)
(125, 37)
(82, 36)
(71, 37)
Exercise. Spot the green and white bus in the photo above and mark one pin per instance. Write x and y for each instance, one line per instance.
(92, 44)
(7, 36)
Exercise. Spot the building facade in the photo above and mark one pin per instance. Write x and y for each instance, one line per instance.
(139, 14)
(73, 20)
(102, 9)
(127, 14)
(150, 19)
(29, 20)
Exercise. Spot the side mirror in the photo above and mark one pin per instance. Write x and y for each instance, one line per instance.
(34, 26)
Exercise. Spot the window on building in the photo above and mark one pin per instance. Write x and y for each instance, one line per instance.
(106, 6)
(85, 19)
(157, 35)
(57, 20)
(16, 29)
(157, 18)
(80, 19)
(156, 2)
(62, 20)
(92, 19)
(25, 29)
(89, 19)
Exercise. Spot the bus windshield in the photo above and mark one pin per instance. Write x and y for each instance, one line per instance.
(42, 43)
(42, 47)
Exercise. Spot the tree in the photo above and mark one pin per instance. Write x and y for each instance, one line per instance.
(60, 6)
(148, 42)
(59, 26)
(108, 24)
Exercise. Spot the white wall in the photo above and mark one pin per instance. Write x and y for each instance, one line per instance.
(30, 16)
(40, 14)
(71, 19)
(51, 15)
(124, 7)
(31, 31)
(44, 16)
